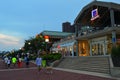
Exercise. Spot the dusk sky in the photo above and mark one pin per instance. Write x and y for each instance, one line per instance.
(22, 19)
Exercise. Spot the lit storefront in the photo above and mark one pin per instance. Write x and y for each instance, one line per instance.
(99, 43)
(98, 46)
(83, 49)
(68, 48)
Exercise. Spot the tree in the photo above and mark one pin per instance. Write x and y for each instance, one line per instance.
(34, 44)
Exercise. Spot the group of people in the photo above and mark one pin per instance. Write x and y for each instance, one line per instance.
(18, 60)
(42, 64)
(12, 61)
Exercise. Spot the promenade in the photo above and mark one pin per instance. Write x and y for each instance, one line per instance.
(31, 73)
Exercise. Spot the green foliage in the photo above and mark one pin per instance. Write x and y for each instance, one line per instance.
(57, 56)
(52, 57)
(32, 57)
(115, 51)
(116, 56)
(34, 44)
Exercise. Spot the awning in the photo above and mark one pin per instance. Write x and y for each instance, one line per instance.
(67, 44)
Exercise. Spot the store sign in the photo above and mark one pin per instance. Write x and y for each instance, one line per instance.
(94, 14)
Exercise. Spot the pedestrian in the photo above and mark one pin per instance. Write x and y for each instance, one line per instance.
(5, 61)
(19, 62)
(44, 63)
(26, 59)
(39, 62)
(8, 62)
(14, 60)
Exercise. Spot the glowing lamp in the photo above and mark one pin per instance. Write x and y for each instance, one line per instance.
(46, 38)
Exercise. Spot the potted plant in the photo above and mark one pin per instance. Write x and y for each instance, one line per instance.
(116, 56)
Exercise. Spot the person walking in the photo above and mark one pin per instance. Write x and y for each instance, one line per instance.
(8, 63)
(14, 60)
(5, 61)
(26, 59)
(39, 62)
(19, 62)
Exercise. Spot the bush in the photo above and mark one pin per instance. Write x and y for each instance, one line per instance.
(115, 51)
(33, 57)
(57, 56)
(52, 57)
(116, 56)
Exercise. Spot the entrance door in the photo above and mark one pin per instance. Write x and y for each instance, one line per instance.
(98, 49)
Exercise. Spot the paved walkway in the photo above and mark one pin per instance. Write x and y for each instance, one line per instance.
(31, 73)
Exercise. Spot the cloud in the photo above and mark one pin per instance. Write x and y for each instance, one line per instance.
(8, 42)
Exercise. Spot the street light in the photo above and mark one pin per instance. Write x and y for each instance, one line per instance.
(46, 40)
(29, 43)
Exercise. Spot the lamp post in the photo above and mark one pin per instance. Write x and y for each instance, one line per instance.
(29, 43)
(46, 40)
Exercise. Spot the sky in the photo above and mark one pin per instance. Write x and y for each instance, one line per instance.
(22, 19)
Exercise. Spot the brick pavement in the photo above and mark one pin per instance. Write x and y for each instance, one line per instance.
(31, 73)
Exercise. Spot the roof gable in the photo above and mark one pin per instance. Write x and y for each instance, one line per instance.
(98, 3)
(56, 33)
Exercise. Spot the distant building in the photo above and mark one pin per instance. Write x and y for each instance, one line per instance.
(54, 36)
(67, 27)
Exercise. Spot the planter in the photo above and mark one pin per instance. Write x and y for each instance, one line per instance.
(116, 61)
(116, 56)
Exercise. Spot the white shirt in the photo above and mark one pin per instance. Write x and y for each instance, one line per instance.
(6, 59)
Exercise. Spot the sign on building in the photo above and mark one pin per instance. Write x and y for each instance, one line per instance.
(94, 14)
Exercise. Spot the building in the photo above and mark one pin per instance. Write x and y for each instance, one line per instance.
(54, 36)
(66, 46)
(99, 28)
(67, 27)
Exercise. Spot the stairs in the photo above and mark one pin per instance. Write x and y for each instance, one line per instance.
(98, 64)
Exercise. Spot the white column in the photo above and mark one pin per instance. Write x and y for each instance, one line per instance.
(106, 44)
(73, 51)
(77, 47)
(100, 48)
(90, 49)
(104, 49)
